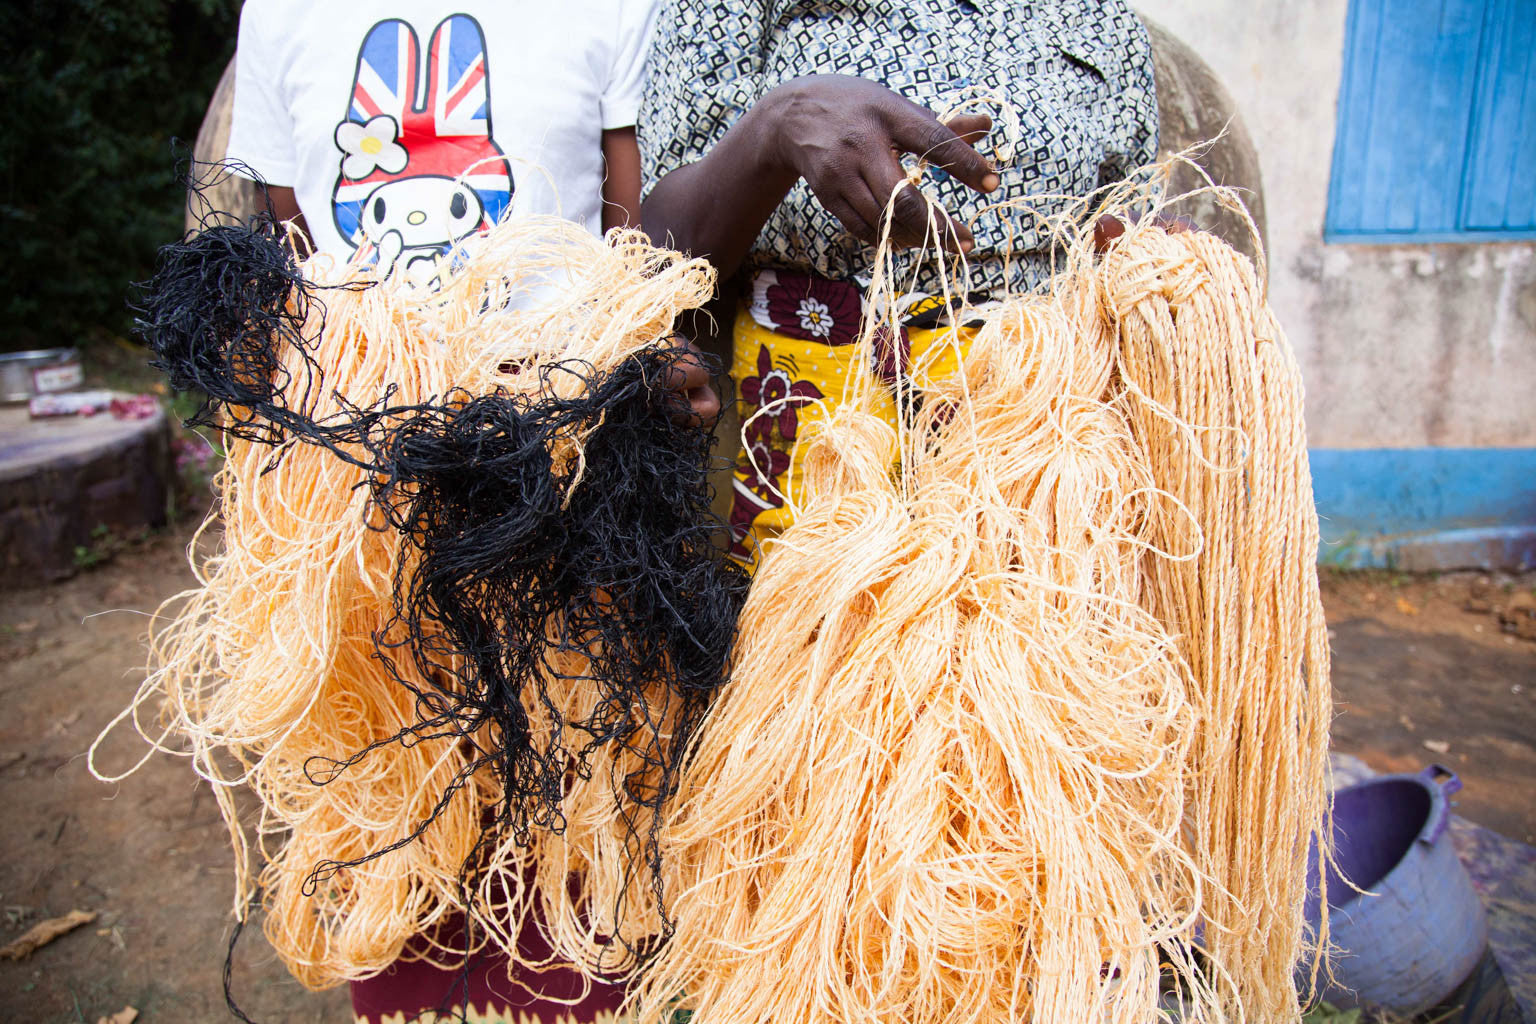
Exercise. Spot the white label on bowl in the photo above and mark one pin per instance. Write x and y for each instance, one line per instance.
(61, 377)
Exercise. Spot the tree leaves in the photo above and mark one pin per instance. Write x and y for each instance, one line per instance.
(96, 91)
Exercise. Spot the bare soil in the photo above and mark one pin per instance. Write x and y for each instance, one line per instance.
(1441, 669)
(150, 854)
(1419, 678)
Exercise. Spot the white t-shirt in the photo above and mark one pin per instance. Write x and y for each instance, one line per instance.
(405, 125)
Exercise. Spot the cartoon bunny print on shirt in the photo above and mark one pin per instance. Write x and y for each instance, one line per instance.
(419, 168)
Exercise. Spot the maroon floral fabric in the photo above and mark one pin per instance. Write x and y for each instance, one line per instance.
(761, 466)
(413, 991)
(891, 354)
(813, 308)
(775, 388)
(771, 400)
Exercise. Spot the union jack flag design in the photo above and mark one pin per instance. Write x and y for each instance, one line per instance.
(404, 122)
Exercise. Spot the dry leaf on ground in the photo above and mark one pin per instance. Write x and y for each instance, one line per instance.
(1518, 616)
(45, 932)
(127, 1015)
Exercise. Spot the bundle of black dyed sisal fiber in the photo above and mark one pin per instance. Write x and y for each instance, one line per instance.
(469, 604)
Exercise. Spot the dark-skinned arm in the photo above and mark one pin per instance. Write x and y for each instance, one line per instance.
(689, 376)
(621, 178)
(843, 135)
(285, 207)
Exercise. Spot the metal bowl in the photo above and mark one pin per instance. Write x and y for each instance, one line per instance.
(17, 368)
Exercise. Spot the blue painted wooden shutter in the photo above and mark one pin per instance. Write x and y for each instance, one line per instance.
(1404, 105)
(1436, 131)
(1500, 185)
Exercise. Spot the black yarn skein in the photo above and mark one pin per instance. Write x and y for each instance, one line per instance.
(616, 558)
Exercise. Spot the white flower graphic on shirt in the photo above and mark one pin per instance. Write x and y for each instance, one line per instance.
(815, 318)
(369, 146)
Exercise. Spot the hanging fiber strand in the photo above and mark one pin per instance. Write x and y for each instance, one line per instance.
(467, 605)
(1027, 718)
(226, 316)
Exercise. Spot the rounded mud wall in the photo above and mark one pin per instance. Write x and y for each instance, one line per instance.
(1195, 110)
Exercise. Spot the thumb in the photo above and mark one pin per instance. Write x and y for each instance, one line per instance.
(917, 132)
(970, 127)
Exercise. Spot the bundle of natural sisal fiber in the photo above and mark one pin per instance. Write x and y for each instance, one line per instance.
(1027, 717)
(1027, 711)
(466, 605)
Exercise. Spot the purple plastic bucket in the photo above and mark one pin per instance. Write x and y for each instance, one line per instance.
(1418, 929)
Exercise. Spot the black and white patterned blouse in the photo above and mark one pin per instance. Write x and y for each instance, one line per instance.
(1077, 73)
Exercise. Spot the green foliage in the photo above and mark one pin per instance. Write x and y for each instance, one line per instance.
(95, 91)
(103, 546)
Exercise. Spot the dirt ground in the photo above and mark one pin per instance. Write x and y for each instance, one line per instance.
(150, 854)
(1419, 678)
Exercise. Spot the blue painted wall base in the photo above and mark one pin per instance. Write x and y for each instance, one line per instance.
(1426, 508)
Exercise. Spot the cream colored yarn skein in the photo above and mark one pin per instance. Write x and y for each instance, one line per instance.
(1015, 730)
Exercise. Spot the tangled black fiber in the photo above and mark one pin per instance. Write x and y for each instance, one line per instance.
(224, 315)
(520, 561)
(616, 558)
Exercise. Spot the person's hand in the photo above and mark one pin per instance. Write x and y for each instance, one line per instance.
(689, 379)
(843, 135)
(1108, 228)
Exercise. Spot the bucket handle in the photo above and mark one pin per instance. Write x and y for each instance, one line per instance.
(1447, 781)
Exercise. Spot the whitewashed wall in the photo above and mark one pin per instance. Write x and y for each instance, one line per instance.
(1401, 345)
